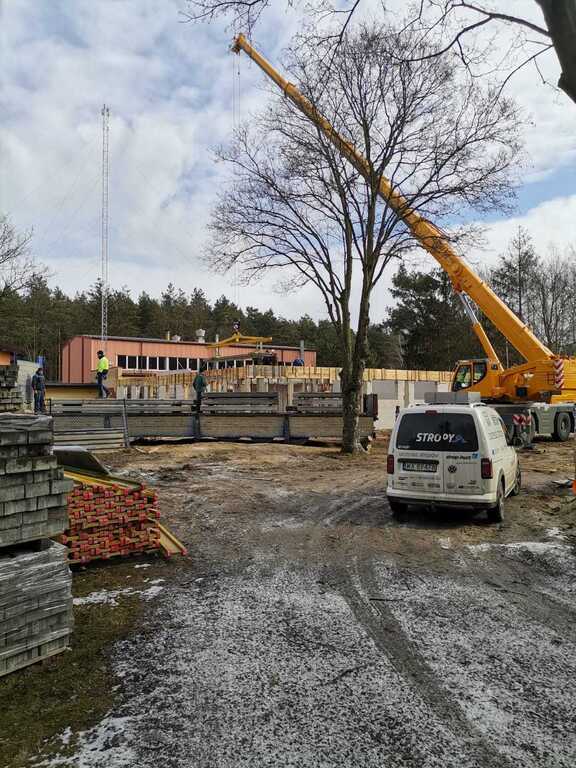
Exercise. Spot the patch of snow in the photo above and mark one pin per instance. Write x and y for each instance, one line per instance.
(103, 746)
(535, 547)
(66, 735)
(151, 593)
(538, 547)
(110, 597)
(445, 543)
(555, 533)
(105, 597)
(143, 565)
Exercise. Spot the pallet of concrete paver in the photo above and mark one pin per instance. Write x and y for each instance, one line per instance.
(10, 395)
(33, 491)
(35, 604)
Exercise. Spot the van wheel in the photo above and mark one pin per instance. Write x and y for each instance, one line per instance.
(397, 507)
(518, 484)
(496, 514)
(562, 427)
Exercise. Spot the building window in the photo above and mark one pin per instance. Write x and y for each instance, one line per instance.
(142, 363)
(161, 363)
(173, 363)
(121, 361)
(192, 364)
(131, 362)
(230, 363)
(239, 363)
(183, 363)
(152, 363)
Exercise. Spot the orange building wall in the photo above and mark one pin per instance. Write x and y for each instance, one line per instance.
(79, 357)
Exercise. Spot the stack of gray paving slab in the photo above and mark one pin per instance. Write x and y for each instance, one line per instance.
(10, 394)
(33, 490)
(35, 580)
(35, 605)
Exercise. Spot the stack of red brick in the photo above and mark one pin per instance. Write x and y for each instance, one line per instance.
(110, 518)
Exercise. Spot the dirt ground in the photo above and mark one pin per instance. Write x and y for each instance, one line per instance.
(308, 628)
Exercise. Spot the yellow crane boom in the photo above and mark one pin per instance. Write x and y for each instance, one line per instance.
(462, 276)
(544, 376)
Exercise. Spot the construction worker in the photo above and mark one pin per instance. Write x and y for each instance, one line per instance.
(101, 373)
(200, 386)
(39, 389)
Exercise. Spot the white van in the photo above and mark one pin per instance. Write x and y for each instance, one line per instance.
(451, 455)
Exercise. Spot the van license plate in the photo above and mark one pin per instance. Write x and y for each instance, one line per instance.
(419, 466)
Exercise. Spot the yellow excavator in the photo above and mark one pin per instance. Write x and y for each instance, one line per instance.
(539, 395)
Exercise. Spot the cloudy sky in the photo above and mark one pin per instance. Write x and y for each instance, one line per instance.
(170, 89)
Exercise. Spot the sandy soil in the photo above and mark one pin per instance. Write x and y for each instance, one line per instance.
(310, 629)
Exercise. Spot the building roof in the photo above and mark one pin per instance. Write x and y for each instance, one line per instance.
(187, 341)
(11, 348)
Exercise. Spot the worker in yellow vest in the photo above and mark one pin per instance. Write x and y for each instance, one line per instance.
(101, 373)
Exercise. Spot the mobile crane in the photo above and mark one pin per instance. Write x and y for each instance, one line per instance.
(537, 396)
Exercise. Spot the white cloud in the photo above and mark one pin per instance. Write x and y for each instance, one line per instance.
(169, 86)
(550, 223)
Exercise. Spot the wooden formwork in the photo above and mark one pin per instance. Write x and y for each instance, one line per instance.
(224, 416)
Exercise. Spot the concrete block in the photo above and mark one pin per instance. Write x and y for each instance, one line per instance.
(37, 489)
(12, 493)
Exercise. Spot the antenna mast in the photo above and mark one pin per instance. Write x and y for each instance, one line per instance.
(104, 225)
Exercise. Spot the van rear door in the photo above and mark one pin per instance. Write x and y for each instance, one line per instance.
(462, 464)
(419, 458)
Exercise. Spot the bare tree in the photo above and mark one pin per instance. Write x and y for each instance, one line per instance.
(554, 285)
(296, 207)
(514, 278)
(451, 23)
(17, 266)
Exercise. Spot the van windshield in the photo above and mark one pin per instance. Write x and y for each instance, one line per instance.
(437, 432)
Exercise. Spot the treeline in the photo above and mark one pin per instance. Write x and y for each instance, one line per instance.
(426, 329)
(39, 319)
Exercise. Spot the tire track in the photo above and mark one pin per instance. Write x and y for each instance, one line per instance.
(389, 637)
(519, 582)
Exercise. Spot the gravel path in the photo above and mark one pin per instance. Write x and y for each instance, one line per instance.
(310, 630)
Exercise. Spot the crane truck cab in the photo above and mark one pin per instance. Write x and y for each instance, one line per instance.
(451, 452)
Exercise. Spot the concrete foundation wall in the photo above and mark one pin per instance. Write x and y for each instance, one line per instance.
(394, 394)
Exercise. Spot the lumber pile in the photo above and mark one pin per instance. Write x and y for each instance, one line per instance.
(33, 489)
(10, 395)
(35, 605)
(35, 580)
(109, 517)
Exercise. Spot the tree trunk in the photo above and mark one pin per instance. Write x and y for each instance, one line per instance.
(350, 412)
(560, 17)
(353, 378)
